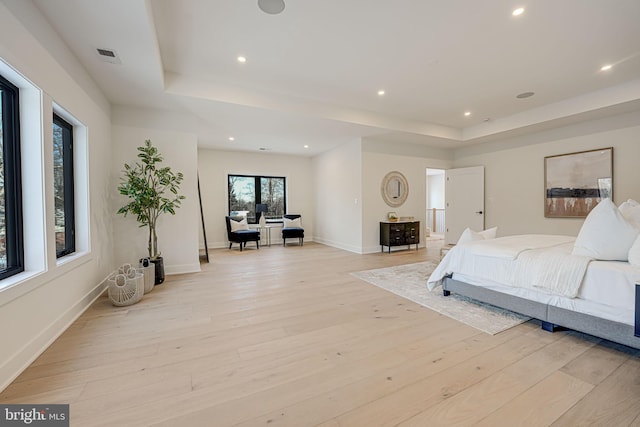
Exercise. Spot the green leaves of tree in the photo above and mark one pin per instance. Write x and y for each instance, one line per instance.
(152, 190)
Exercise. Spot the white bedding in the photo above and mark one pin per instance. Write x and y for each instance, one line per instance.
(530, 260)
(553, 270)
(606, 290)
(510, 247)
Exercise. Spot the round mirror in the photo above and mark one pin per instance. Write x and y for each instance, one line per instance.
(394, 189)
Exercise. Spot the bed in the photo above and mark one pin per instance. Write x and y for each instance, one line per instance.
(553, 279)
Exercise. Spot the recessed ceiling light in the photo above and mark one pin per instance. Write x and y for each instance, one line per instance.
(517, 12)
(306, 146)
(231, 139)
(524, 95)
(381, 92)
(467, 113)
(242, 59)
(606, 67)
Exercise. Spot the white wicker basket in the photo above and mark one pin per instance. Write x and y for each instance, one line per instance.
(126, 288)
(149, 273)
(124, 269)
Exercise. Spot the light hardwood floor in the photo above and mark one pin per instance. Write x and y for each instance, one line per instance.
(286, 336)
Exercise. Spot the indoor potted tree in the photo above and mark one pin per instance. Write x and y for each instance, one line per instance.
(152, 190)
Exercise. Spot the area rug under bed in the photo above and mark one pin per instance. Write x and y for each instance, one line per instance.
(410, 281)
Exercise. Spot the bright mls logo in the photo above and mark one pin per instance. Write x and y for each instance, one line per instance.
(34, 415)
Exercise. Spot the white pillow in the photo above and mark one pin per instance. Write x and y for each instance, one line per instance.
(605, 234)
(630, 203)
(239, 225)
(631, 212)
(468, 235)
(634, 253)
(292, 223)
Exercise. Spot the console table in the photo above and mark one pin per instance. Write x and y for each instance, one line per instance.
(265, 233)
(399, 234)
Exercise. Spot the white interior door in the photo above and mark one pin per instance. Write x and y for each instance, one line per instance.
(464, 201)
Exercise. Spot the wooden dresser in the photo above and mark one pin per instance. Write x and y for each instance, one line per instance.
(399, 233)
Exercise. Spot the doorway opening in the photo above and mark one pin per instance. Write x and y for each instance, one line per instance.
(435, 207)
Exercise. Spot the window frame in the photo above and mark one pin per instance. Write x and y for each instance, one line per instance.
(69, 190)
(14, 233)
(258, 195)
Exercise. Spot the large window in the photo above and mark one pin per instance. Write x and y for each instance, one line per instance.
(246, 191)
(11, 234)
(63, 186)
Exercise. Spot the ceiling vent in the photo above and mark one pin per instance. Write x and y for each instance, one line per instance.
(108, 55)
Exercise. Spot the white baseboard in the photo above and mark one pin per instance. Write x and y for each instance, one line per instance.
(274, 242)
(181, 269)
(339, 245)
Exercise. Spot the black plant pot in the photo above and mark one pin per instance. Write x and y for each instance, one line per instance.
(159, 265)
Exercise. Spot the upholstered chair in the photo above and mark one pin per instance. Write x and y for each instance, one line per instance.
(292, 228)
(238, 232)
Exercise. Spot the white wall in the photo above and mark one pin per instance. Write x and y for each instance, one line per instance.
(36, 310)
(177, 234)
(215, 165)
(435, 191)
(514, 172)
(338, 197)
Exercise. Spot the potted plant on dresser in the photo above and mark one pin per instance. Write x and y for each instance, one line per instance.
(152, 190)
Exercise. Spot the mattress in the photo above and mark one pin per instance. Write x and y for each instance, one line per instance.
(607, 289)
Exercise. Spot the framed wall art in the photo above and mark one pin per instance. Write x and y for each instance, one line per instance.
(574, 183)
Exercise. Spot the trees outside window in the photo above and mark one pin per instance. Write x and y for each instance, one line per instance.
(63, 186)
(245, 191)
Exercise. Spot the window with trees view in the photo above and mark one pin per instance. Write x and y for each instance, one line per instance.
(63, 186)
(11, 235)
(245, 191)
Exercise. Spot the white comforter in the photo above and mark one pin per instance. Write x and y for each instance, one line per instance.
(535, 261)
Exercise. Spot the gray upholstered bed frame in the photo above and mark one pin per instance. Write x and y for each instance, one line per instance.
(551, 316)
